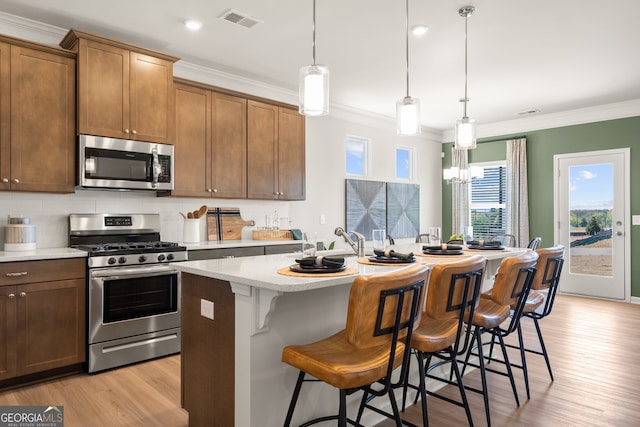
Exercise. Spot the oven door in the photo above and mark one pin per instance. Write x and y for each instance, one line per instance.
(128, 301)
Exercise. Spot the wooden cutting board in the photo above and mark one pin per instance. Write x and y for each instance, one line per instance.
(225, 224)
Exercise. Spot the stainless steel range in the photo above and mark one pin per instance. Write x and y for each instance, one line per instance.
(134, 294)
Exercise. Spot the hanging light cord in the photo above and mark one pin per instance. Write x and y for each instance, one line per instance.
(313, 44)
(407, 44)
(466, 99)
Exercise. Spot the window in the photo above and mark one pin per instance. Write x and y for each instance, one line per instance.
(404, 163)
(488, 200)
(357, 156)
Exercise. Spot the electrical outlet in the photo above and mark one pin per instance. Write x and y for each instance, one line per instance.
(635, 219)
(323, 219)
(206, 308)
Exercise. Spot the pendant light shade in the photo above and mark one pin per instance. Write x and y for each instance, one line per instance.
(313, 83)
(408, 114)
(465, 132)
(408, 108)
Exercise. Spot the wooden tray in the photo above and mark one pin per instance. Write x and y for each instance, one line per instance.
(272, 235)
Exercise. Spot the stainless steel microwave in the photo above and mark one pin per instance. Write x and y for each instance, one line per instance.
(120, 164)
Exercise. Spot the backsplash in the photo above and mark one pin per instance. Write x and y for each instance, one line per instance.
(50, 212)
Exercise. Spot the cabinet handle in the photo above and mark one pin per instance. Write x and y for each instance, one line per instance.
(23, 294)
(209, 190)
(16, 181)
(11, 296)
(20, 273)
(126, 131)
(5, 180)
(215, 190)
(134, 132)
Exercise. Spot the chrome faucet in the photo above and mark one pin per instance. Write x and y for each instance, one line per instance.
(358, 248)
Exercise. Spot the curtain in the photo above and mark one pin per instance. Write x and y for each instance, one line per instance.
(517, 196)
(460, 194)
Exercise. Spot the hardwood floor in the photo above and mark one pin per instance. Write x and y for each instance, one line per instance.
(593, 345)
(145, 394)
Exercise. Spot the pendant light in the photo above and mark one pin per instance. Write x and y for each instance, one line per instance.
(465, 133)
(407, 108)
(313, 83)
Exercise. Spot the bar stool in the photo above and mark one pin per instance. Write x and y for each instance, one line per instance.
(549, 266)
(511, 287)
(382, 309)
(452, 294)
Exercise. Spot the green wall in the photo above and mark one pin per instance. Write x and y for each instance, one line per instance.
(542, 145)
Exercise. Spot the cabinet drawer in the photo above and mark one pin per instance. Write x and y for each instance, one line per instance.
(16, 273)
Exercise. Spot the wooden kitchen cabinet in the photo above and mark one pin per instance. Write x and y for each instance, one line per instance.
(43, 323)
(275, 152)
(210, 144)
(124, 91)
(37, 117)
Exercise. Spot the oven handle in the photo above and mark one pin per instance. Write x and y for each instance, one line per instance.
(145, 271)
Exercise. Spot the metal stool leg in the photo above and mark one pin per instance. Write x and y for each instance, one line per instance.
(294, 399)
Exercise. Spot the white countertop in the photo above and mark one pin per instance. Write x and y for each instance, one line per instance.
(261, 271)
(41, 254)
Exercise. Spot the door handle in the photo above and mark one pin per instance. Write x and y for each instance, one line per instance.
(619, 233)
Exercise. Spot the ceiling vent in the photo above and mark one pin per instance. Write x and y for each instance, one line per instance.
(239, 18)
(528, 112)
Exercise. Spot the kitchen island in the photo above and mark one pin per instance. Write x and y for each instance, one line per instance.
(239, 313)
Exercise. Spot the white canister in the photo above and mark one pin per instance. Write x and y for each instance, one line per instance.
(19, 237)
(191, 230)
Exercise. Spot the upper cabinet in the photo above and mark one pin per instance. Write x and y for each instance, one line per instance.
(124, 91)
(275, 152)
(210, 144)
(37, 117)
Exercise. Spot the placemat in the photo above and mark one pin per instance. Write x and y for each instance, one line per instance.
(463, 255)
(346, 272)
(386, 264)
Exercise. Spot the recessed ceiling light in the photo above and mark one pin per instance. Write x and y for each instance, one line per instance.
(192, 24)
(418, 30)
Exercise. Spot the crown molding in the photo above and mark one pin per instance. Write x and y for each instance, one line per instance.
(27, 29)
(618, 110)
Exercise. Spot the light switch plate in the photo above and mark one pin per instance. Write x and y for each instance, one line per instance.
(206, 308)
(635, 219)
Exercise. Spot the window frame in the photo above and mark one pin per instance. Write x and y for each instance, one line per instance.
(366, 160)
(411, 161)
(488, 206)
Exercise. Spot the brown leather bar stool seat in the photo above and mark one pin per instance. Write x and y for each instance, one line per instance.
(452, 293)
(382, 309)
(511, 289)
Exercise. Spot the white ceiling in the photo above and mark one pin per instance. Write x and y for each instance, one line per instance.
(549, 55)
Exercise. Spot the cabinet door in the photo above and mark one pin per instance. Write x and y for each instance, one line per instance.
(103, 85)
(262, 150)
(42, 121)
(152, 98)
(229, 153)
(5, 116)
(192, 150)
(7, 332)
(51, 325)
(291, 154)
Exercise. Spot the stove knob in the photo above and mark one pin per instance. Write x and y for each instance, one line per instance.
(111, 260)
(142, 258)
(160, 257)
(122, 260)
(170, 257)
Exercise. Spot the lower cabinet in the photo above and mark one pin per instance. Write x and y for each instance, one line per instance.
(200, 254)
(42, 316)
